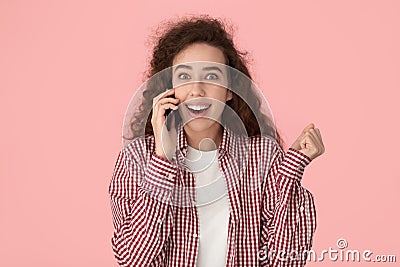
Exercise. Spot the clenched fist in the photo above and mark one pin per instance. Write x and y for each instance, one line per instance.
(310, 142)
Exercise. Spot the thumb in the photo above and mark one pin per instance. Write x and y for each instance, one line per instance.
(308, 127)
(297, 144)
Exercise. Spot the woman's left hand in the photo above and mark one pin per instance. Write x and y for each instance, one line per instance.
(310, 142)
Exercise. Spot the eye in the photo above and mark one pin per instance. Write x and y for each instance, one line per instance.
(212, 76)
(183, 76)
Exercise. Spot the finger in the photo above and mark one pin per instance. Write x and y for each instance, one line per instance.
(319, 145)
(167, 103)
(167, 100)
(308, 127)
(316, 136)
(302, 134)
(319, 133)
(166, 106)
(309, 138)
(308, 146)
(320, 139)
(159, 114)
(165, 97)
(170, 106)
(307, 141)
(168, 92)
(312, 143)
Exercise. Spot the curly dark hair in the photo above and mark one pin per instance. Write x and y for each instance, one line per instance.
(171, 37)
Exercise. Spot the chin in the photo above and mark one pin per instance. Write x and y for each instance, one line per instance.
(200, 125)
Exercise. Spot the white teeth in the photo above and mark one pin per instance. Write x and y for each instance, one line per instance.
(198, 107)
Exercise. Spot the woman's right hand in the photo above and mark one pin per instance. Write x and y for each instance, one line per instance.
(165, 141)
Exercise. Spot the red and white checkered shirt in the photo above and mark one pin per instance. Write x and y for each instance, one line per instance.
(269, 224)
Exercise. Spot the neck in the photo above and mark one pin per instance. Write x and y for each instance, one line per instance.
(206, 140)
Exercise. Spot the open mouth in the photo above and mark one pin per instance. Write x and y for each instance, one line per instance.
(198, 109)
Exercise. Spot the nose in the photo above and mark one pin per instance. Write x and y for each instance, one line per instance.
(197, 89)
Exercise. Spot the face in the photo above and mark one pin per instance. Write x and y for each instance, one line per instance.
(200, 86)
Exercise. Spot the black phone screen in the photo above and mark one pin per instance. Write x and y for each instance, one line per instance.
(168, 111)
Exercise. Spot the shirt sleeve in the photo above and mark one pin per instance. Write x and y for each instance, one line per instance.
(142, 215)
(288, 213)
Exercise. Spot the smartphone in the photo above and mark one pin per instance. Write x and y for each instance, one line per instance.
(168, 111)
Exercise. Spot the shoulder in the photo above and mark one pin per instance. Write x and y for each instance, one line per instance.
(264, 150)
(264, 144)
(139, 147)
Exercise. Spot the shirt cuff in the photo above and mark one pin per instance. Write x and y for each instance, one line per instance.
(294, 163)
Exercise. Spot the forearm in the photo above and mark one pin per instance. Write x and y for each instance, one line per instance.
(292, 221)
(143, 232)
(142, 225)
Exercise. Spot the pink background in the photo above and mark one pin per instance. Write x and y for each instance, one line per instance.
(69, 68)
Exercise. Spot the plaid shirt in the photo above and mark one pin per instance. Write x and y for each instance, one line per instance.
(269, 224)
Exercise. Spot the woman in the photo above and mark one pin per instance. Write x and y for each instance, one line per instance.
(268, 225)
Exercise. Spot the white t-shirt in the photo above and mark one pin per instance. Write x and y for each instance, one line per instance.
(212, 206)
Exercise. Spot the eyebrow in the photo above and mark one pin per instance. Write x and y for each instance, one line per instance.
(205, 68)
